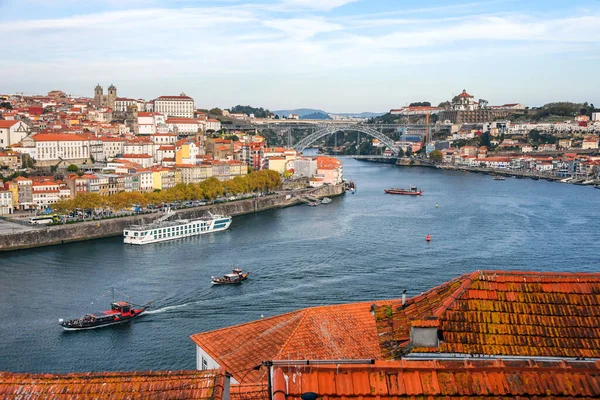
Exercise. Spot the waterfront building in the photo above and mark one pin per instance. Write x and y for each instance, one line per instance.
(276, 163)
(22, 193)
(330, 169)
(77, 184)
(6, 201)
(175, 106)
(12, 132)
(145, 180)
(163, 178)
(305, 167)
(191, 173)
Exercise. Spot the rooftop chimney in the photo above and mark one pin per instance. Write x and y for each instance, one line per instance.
(403, 297)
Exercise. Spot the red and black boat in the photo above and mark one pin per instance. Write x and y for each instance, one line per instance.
(412, 191)
(120, 311)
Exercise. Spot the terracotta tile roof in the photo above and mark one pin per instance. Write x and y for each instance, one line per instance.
(252, 391)
(8, 124)
(501, 313)
(337, 331)
(207, 385)
(430, 379)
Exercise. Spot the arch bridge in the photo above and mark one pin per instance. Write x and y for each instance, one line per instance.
(326, 130)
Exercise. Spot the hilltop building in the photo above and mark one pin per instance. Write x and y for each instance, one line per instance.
(175, 106)
(105, 100)
(463, 109)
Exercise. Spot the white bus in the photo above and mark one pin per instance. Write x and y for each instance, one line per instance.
(43, 219)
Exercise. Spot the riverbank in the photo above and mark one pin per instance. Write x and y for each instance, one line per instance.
(60, 234)
(522, 174)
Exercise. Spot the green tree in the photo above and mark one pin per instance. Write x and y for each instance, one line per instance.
(436, 156)
(484, 140)
(216, 111)
(73, 168)
(534, 136)
(6, 105)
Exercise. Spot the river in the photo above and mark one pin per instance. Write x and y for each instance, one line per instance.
(361, 247)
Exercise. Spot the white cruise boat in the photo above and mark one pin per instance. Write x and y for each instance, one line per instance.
(163, 229)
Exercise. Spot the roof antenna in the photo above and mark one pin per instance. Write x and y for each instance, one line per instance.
(403, 297)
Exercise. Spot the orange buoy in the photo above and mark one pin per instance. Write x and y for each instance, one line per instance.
(428, 238)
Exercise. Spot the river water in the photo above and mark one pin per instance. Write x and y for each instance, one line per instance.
(361, 247)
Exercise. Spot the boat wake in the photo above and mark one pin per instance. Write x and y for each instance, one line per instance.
(168, 308)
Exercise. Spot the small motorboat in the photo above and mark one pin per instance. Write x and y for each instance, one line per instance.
(326, 200)
(498, 178)
(120, 312)
(237, 276)
(411, 191)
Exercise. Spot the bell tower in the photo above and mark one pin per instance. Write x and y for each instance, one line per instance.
(98, 93)
(112, 95)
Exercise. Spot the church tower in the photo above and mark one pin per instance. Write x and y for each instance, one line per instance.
(112, 95)
(131, 119)
(98, 93)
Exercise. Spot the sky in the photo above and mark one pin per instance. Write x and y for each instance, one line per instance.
(335, 55)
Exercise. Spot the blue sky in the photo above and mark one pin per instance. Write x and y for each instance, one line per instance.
(337, 55)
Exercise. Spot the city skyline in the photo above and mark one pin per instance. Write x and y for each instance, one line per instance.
(336, 55)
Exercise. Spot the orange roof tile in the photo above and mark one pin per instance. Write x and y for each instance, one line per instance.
(206, 385)
(337, 331)
(501, 313)
(8, 124)
(431, 379)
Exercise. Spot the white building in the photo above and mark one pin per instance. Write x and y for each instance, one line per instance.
(595, 117)
(185, 126)
(146, 180)
(305, 167)
(61, 146)
(213, 124)
(112, 147)
(175, 106)
(6, 205)
(12, 132)
(464, 102)
(122, 103)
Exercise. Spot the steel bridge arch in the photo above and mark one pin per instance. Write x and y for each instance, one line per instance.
(330, 130)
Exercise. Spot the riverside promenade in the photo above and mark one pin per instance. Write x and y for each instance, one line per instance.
(60, 234)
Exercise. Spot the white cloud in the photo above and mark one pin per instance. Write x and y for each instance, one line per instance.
(304, 28)
(187, 46)
(324, 5)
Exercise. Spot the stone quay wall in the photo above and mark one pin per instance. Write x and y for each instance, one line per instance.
(60, 234)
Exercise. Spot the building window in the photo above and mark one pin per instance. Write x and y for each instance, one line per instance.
(204, 364)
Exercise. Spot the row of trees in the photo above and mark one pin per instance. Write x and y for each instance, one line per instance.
(209, 189)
